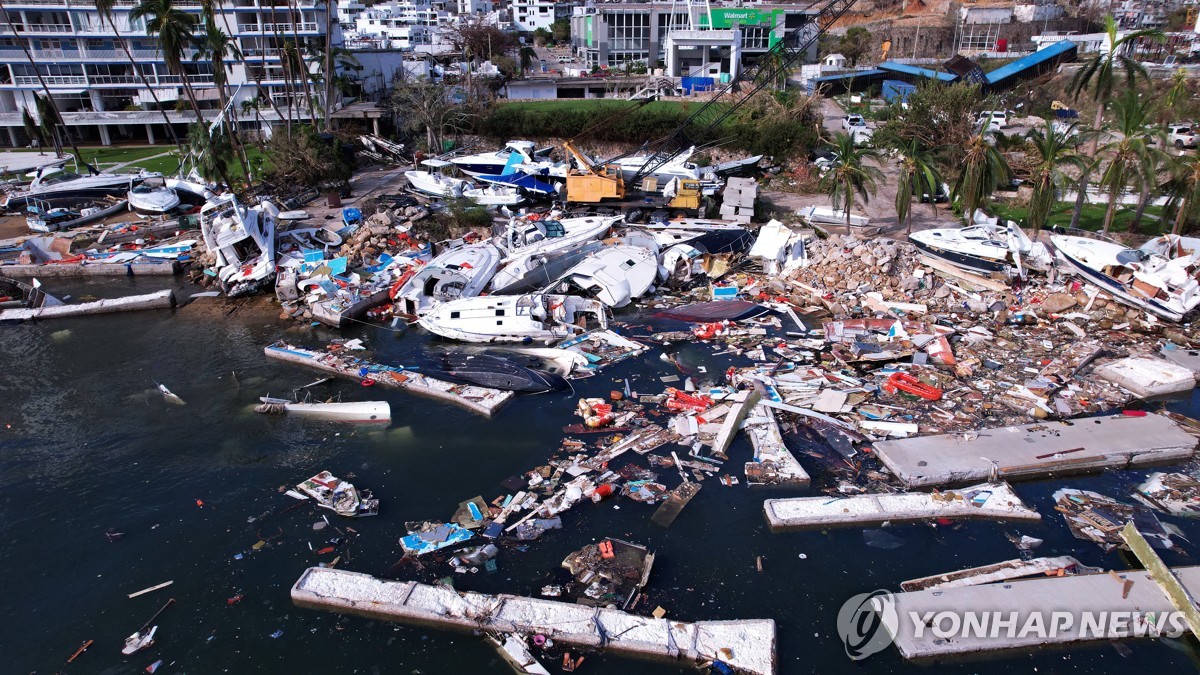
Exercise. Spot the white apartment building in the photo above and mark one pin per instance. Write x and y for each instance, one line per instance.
(99, 93)
(530, 15)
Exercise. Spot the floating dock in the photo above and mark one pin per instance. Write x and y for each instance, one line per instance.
(988, 501)
(482, 400)
(746, 646)
(1001, 571)
(156, 268)
(1099, 606)
(164, 299)
(1037, 450)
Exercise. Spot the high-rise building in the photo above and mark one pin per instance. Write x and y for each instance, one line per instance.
(102, 97)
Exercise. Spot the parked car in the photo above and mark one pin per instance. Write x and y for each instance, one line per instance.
(853, 121)
(995, 120)
(856, 126)
(1181, 136)
(941, 195)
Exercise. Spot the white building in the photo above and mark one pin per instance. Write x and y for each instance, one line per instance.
(348, 12)
(99, 92)
(530, 15)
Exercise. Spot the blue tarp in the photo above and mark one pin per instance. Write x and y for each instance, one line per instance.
(521, 180)
(1034, 62)
(895, 90)
(916, 71)
(445, 535)
(690, 84)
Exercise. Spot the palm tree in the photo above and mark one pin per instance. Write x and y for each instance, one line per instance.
(917, 175)
(326, 62)
(105, 7)
(212, 152)
(216, 46)
(1053, 151)
(299, 64)
(1185, 189)
(1129, 153)
(526, 55)
(175, 30)
(55, 118)
(983, 167)
(850, 175)
(1099, 74)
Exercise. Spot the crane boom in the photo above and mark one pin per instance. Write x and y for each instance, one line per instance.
(775, 64)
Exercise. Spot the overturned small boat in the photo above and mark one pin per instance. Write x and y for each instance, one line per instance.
(615, 275)
(242, 241)
(513, 318)
(461, 272)
(1159, 277)
(496, 372)
(339, 496)
(143, 638)
(986, 249)
(356, 412)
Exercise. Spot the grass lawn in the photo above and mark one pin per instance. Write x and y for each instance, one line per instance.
(1091, 218)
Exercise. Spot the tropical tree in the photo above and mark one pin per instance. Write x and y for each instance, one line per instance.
(212, 152)
(526, 56)
(850, 175)
(426, 107)
(1052, 151)
(326, 60)
(326, 68)
(1101, 75)
(983, 167)
(1128, 156)
(175, 30)
(216, 46)
(1185, 190)
(299, 65)
(917, 175)
(105, 7)
(55, 117)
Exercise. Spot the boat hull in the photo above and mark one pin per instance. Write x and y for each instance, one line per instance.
(1118, 289)
(965, 261)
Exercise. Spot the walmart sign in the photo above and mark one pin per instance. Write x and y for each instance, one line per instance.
(727, 18)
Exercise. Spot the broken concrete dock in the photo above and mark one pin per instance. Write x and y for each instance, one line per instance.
(482, 400)
(746, 646)
(147, 268)
(773, 463)
(987, 501)
(1105, 607)
(1037, 450)
(164, 299)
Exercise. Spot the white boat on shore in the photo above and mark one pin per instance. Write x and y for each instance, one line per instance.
(242, 240)
(513, 154)
(1159, 277)
(356, 412)
(514, 318)
(434, 182)
(985, 249)
(153, 197)
(523, 236)
(825, 215)
(494, 195)
(461, 272)
(615, 275)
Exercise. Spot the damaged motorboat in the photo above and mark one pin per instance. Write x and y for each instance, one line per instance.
(463, 271)
(615, 275)
(20, 295)
(153, 197)
(339, 496)
(1159, 277)
(242, 241)
(533, 271)
(985, 249)
(496, 372)
(514, 318)
(524, 236)
(357, 412)
(434, 182)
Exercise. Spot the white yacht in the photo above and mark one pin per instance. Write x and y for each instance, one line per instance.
(243, 241)
(514, 318)
(1159, 277)
(615, 275)
(460, 272)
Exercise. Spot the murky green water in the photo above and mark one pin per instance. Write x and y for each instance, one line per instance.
(87, 444)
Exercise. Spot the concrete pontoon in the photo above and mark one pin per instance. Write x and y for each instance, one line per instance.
(986, 501)
(140, 268)
(1100, 607)
(746, 646)
(1037, 450)
(482, 400)
(164, 299)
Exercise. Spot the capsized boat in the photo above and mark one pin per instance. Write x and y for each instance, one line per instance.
(526, 183)
(495, 372)
(20, 295)
(513, 318)
(494, 195)
(242, 241)
(986, 249)
(143, 638)
(533, 271)
(153, 197)
(339, 496)
(523, 236)
(615, 275)
(434, 182)
(356, 412)
(1159, 277)
(461, 272)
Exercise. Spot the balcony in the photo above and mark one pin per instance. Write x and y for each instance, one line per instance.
(272, 28)
(120, 80)
(39, 28)
(51, 80)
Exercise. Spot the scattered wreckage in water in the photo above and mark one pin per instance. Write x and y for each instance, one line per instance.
(1175, 493)
(1096, 518)
(339, 496)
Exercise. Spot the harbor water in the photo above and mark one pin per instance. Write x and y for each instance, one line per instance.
(88, 447)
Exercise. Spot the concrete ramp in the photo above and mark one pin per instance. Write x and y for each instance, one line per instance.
(746, 646)
(1041, 450)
